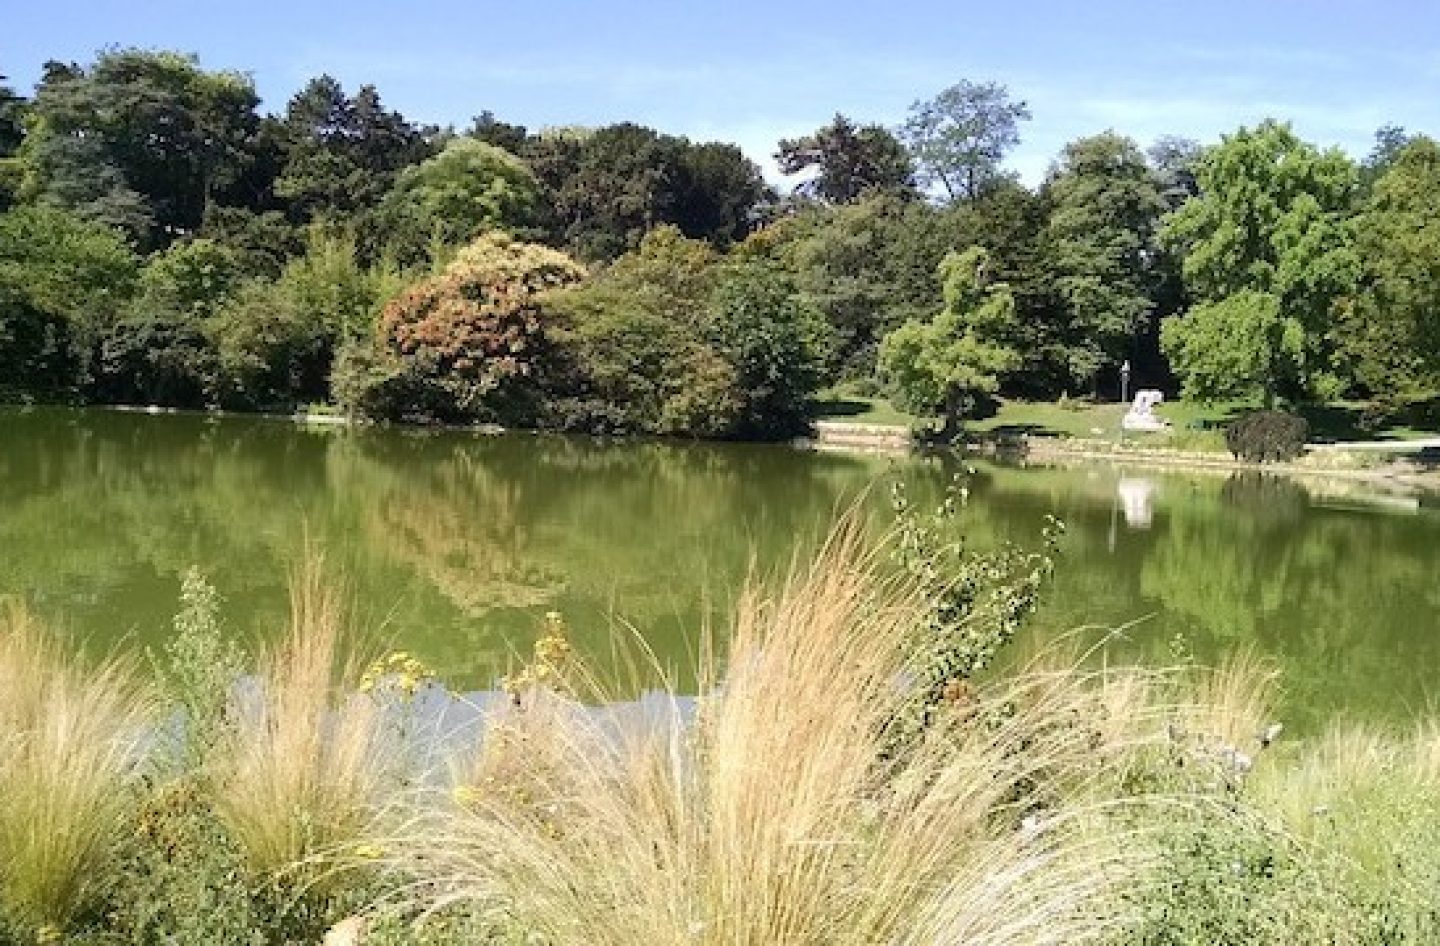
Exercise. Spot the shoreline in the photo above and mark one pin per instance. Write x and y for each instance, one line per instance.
(1404, 474)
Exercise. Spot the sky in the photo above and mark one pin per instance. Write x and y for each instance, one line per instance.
(754, 71)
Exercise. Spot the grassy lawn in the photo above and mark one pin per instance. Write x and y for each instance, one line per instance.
(855, 409)
(1193, 425)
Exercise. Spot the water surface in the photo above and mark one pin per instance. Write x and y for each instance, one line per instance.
(454, 544)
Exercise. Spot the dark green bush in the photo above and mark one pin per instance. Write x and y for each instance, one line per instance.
(1267, 436)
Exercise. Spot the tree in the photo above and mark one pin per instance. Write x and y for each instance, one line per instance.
(1102, 228)
(717, 190)
(466, 189)
(144, 140)
(1011, 223)
(491, 130)
(12, 128)
(12, 133)
(606, 188)
(193, 278)
(1390, 142)
(341, 155)
(866, 266)
(762, 327)
(942, 365)
(847, 161)
(1172, 160)
(959, 138)
(634, 337)
(63, 282)
(1391, 335)
(1268, 253)
(471, 344)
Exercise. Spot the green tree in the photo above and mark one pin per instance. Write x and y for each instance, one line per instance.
(761, 325)
(1106, 209)
(143, 140)
(639, 360)
(867, 266)
(467, 188)
(342, 154)
(63, 282)
(1011, 223)
(1268, 253)
(959, 138)
(846, 160)
(1391, 335)
(942, 365)
(491, 130)
(193, 278)
(12, 133)
(1390, 142)
(606, 188)
(1173, 160)
(276, 340)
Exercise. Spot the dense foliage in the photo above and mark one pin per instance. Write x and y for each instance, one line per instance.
(162, 241)
(1267, 436)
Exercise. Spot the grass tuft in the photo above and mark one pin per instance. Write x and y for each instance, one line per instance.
(71, 746)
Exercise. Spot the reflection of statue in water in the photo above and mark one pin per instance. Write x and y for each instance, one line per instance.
(1141, 415)
(1137, 500)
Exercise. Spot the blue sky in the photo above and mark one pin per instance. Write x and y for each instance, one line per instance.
(752, 71)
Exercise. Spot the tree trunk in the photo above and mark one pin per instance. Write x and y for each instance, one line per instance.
(954, 408)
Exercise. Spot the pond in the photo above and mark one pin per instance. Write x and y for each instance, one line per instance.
(453, 545)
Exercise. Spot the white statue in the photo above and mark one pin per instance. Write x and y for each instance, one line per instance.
(1141, 415)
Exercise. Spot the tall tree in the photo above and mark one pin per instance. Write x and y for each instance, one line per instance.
(12, 128)
(63, 283)
(867, 266)
(1392, 333)
(1268, 253)
(959, 138)
(774, 343)
(343, 153)
(12, 132)
(608, 187)
(1106, 211)
(486, 127)
(144, 139)
(846, 161)
(1012, 223)
(942, 365)
(1172, 160)
(1390, 142)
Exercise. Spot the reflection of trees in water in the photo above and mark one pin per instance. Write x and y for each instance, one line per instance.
(460, 541)
(440, 509)
(1343, 600)
(103, 511)
(1265, 498)
(90, 498)
(522, 522)
(456, 542)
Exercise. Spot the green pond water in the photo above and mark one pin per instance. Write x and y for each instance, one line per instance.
(454, 544)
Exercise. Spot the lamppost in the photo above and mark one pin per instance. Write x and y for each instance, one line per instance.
(1125, 382)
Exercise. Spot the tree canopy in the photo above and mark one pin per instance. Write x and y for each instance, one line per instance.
(959, 138)
(1268, 254)
(942, 365)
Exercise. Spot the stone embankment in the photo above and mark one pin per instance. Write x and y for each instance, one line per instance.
(877, 438)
